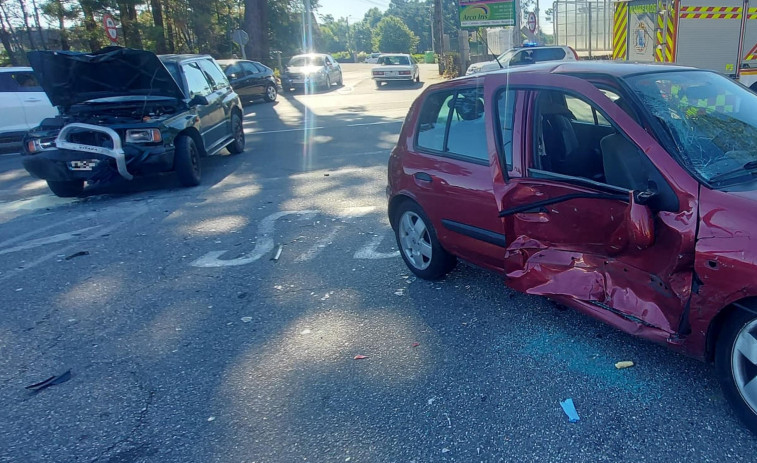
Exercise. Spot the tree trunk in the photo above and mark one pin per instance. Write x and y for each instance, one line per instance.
(22, 4)
(157, 17)
(39, 25)
(5, 38)
(129, 27)
(170, 23)
(64, 45)
(256, 26)
(90, 25)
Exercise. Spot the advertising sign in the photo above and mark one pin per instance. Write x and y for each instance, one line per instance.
(487, 13)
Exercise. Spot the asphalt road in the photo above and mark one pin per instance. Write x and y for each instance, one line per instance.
(187, 341)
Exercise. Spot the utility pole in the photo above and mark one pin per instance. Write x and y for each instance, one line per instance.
(439, 34)
(307, 25)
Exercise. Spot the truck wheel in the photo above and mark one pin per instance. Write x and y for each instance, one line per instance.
(236, 146)
(66, 189)
(736, 365)
(187, 161)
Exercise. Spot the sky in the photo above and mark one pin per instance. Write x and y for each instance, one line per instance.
(354, 9)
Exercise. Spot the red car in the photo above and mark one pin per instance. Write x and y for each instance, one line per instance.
(626, 191)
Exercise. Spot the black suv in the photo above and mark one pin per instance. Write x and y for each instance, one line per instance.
(126, 112)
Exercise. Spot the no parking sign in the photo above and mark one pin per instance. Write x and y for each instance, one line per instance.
(110, 28)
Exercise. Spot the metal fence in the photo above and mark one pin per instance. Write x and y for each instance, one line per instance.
(584, 25)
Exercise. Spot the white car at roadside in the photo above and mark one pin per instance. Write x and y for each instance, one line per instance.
(24, 105)
(395, 66)
(520, 56)
(372, 58)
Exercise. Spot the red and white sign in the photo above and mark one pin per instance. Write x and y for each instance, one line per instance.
(531, 22)
(110, 28)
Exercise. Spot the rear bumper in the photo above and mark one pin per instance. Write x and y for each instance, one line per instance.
(392, 78)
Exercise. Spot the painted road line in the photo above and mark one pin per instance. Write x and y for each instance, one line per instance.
(369, 250)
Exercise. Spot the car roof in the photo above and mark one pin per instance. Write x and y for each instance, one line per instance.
(310, 54)
(611, 68)
(394, 54)
(178, 58)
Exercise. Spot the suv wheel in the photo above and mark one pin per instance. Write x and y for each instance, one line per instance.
(66, 189)
(736, 365)
(237, 130)
(270, 93)
(187, 161)
(418, 244)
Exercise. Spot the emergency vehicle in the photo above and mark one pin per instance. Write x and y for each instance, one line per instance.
(720, 35)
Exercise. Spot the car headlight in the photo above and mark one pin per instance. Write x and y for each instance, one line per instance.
(36, 145)
(143, 136)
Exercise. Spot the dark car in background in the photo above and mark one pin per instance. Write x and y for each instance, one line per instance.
(250, 79)
(126, 112)
(625, 191)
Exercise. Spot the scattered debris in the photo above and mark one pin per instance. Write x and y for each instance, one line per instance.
(246, 319)
(305, 331)
(279, 287)
(19, 289)
(624, 364)
(242, 295)
(51, 381)
(400, 292)
(570, 410)
(212, 418)
(445, 450)
(326, 175)
(77, 254)
(275, 258)
(431, 400)
(361, 357)
(416, 344)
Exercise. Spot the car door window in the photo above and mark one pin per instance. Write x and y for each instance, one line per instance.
(234, 71)
(453, 123)
(250, 69)
(584, 113)
(197, 83)
(26, 81)
(216, 77)
(548, 54)
(259, 67)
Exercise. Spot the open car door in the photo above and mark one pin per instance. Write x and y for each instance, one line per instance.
(597, 219)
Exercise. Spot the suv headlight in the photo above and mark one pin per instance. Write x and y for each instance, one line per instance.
(143, 136)
(35, 145)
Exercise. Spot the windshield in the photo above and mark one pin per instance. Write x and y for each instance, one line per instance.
(711, 119)
(299, 61)
(505, 57)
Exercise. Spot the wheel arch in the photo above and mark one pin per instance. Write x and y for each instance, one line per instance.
(395, 203)
(716, 325)
(193, 133)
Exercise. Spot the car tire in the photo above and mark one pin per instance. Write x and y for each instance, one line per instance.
(327, 85)
(419, 245)
(237, 130)
(340, 82)
(187, 161)
(66, 189)
(736, 341)
(418, 78)
(270, 93)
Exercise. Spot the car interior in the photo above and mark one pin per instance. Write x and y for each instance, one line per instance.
(590, 147)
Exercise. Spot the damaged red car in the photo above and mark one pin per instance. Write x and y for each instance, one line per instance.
(625, 191)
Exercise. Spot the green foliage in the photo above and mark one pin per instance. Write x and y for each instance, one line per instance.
(393, 36)
(420, 57)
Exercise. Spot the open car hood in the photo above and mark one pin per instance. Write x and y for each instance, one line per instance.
(70, 77)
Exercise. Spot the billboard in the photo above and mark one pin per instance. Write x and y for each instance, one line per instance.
(487, 13)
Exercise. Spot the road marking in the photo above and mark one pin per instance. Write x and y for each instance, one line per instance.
(37, 231)
(308, 129)
(97, 234)
(263, 246)
(318, 246)
(369, 250)
(47, 240)
(375, 123)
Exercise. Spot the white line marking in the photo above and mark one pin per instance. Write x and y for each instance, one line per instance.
(374, 123)
(23, 236)
(46, 240)
(141, 210)
(318, 246)
(369, 250)
(263, 246)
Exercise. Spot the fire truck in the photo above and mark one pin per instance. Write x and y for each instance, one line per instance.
(720, 35)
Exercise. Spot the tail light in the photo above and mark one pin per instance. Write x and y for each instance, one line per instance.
(404, 73)
(378, 73)
(574, 53)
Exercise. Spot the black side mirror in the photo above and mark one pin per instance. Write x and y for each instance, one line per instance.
(198, 100)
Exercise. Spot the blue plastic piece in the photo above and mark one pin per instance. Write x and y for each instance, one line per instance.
(530, 44)
(570, 410)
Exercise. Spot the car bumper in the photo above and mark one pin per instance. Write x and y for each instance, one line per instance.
(65, 165)
(392, 78)
(289, 82)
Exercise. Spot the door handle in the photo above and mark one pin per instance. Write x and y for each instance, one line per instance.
(32, 100)
(423, 177)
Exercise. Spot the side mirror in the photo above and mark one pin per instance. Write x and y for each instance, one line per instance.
(639, 220)
(198, 100)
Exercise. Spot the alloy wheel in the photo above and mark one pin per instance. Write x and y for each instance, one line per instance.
(415, 240)
(744, 364)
